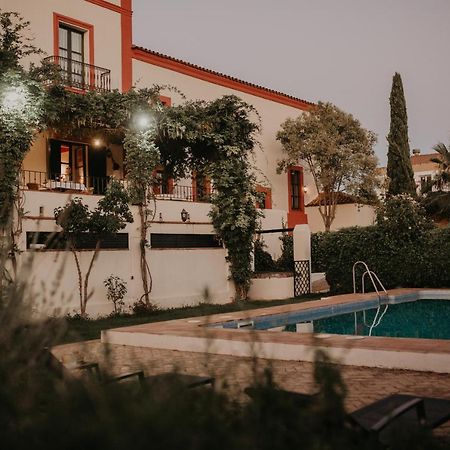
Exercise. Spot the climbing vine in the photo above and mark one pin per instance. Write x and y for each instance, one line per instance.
(217, 139)
(142, 158)
(20, 101)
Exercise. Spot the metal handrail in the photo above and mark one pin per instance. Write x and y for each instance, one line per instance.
(373, 277)
(81, 75)
(37, 180)
(370, 276)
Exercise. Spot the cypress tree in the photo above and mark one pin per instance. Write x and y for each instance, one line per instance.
(399, 168)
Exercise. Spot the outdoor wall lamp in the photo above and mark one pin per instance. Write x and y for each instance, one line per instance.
(184, 215)
(97, 142)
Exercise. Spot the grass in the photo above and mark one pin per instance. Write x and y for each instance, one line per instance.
(87, 329)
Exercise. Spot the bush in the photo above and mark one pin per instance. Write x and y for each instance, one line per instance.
(116, 289)
(140, 308)
(403, 249)
(264, 261)
(415, 260)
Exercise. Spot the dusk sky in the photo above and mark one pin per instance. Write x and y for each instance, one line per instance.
(342, 51)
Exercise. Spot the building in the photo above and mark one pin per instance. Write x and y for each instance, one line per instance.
(423, 166)
(91, 41)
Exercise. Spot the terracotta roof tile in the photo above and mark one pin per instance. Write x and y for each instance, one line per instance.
(276, 94)
(342, 199)
(423, 159)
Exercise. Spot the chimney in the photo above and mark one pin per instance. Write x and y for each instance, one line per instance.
(416, 151)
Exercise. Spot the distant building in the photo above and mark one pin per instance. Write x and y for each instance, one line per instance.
(423, 167)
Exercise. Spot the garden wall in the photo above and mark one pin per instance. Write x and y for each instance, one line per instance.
(180, 276)
(348, 215)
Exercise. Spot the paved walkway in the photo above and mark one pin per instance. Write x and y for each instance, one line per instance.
(364, 384)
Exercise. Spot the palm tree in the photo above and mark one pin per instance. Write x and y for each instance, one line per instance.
(436, 198)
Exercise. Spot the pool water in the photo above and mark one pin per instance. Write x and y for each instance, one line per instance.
(428, 319)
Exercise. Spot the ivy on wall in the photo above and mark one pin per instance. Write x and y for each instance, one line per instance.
(217, 139)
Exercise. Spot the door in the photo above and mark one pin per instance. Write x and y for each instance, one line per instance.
(97, 170)
(71, 55)
(67, 162)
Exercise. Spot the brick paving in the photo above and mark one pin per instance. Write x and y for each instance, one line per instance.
(364, 384)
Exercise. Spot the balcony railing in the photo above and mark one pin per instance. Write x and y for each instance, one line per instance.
(41, 181)
(82, 76)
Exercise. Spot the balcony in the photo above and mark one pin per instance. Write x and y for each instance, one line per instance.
(82, 76)
(41, 181)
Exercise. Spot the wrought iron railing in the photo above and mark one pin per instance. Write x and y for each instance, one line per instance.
(180, 192)
(42, 181)
(82, 76)
(36, 181)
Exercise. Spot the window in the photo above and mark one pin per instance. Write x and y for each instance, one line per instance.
(169, 240)
(201, 188)
(67, 162)
(71, 55)
(264, 199)
(163, 183)
(295, 186)
(425, 180)
(46, 240)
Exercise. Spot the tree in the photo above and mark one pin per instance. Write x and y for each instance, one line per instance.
(402, 217)
(142, 158)
(20, 117)
(338, 151)
(399, 168)
(109, 217)
(436, 198)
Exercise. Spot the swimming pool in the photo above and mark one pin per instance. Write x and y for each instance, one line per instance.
(400, 316)
(425, 319)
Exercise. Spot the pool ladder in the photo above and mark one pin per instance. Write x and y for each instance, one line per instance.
(378, 285)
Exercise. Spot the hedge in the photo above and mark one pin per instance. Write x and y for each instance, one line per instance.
(400, 260)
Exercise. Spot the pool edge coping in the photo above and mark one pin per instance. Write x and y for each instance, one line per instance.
(191, 334)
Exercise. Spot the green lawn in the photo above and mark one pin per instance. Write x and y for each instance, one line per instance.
(82, 330)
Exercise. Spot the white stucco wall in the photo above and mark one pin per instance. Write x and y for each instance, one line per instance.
(106, 23)
(272, 287)
(349, 215)
(180, 276)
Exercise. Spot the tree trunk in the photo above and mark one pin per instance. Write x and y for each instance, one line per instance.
(145, 272)
(80, 279)
(86, 278)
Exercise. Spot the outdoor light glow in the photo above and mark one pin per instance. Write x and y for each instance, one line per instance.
(14, 98)
(97, 142)
(144, 121)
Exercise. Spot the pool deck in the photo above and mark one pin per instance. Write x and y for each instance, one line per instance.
(200, 335)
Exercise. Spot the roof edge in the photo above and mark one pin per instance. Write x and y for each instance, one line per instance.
(211, 76)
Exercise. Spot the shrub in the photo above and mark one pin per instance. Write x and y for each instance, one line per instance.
(140, 308)
(116, 289)
(285, 262)
(403, 248)
(263, 259)
(421, 260)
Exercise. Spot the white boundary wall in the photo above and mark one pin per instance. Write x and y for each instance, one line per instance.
(180, 276)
